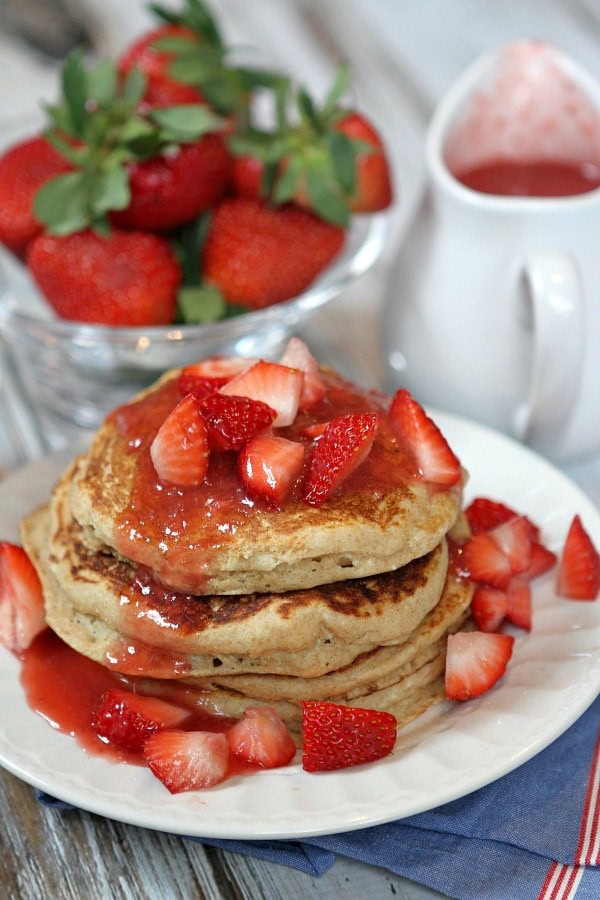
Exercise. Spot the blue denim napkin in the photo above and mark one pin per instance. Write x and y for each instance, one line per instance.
(535, 833)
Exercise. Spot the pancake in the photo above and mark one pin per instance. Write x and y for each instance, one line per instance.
(216, 540)
(363, 613)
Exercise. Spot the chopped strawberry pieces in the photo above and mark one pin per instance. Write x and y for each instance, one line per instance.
(435, 460)
(475, 661)
(280, 387)
(187, 760)
(514, 539)
(344, 445)
(484, 514)
(180, 450)
(127, 720)
(231, 421)
(336, 737)
(518, 594)
(211, 373)
(489, 607)
(22, 615)
(579, 567)
(298, 356)
(542, 560)
(484, 561)
(261, 738)
(269, 466)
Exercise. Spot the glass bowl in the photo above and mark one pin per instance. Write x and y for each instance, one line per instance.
(73, 374)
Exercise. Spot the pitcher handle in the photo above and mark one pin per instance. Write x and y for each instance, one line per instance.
(558, 312)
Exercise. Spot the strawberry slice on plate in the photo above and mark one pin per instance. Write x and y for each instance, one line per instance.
(489, 607)
(519, 608)
(432, 453)
(127, 720)
(180, 449)
(261, 738)
(483, 514)
(22, 615)
(514, 538)
(268, 467)
(187, 760)
(336, 737)
(342, 447)
(280, 387)
(579, 566)
(483, 560)
(231, 421)
(475, 661)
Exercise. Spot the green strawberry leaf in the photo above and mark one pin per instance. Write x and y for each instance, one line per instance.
(133, 88)
(196, 16)
(343, 153)
(327, 199)
(108, 190)
(102, 83)
(75, 92)
(188, 243)
(287, 183)
(185, 123)
(201, 304)
(62, 203)
(337, 90)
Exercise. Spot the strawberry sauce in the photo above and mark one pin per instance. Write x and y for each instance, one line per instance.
(544, 178)
(65, 688)
(169, 528)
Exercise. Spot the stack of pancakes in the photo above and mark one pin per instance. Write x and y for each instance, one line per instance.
(350, 602)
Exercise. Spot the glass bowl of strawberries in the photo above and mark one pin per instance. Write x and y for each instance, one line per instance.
(172, 205)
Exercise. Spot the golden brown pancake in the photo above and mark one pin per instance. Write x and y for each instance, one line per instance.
(217, 540)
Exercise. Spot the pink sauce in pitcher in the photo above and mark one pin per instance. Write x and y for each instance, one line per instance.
(543, 178)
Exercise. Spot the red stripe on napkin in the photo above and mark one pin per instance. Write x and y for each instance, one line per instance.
(561, 881)
(588, 848)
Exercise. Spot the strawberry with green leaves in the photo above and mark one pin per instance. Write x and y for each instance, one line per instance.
(330, 160)
(155, 171)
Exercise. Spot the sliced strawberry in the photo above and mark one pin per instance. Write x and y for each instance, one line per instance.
(518, 593)
(127, 720)
(262, 738)
(579, 567)
(483, 560)
(489, 607)
(336, 737)
(211, 373)
(298, 356)
(180, 450)
(280, 387)
(21, 599)
(232, 421)
(430, 449)
(475, 662)
(314, 431)
(514, 539)
(484, 514)
(345, 443)
(187, 760)
(542, 560)
(269, 466)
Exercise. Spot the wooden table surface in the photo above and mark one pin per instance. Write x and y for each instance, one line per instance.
(73, 855)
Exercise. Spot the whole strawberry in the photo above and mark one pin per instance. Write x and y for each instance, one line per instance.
(161, 88)
(173, 188)
(258, 255)
(126, 278)
(24, 168)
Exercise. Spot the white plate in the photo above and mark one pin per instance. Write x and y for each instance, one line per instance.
(452, 750)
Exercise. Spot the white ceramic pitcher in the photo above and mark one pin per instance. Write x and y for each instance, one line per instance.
(493, 311)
